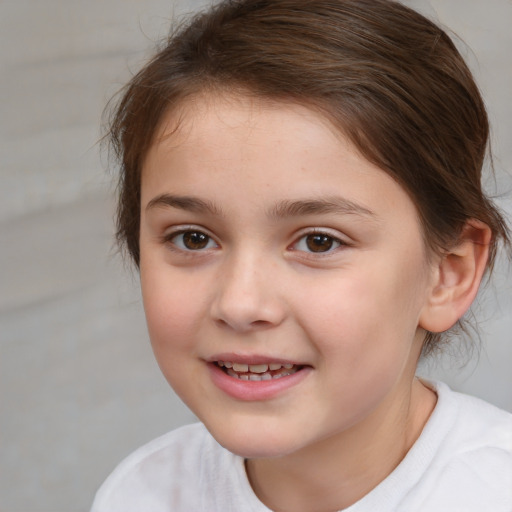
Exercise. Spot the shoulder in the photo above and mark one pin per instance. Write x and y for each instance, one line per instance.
(164, 469)
(185, 470)
(472, 467)
(476, 424)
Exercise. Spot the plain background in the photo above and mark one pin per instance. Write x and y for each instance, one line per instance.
(78, 385)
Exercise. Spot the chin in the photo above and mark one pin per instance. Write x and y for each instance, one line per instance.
(255, 443)
(255, 450)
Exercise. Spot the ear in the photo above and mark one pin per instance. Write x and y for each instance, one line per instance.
(456, 278)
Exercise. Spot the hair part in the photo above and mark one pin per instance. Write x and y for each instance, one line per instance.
(388, 78)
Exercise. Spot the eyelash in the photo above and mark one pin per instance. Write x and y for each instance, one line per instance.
(180, 246)
(323, 235)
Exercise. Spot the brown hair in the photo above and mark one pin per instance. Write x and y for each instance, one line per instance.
(391, 80)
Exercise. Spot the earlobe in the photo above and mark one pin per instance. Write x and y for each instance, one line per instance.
(456, 278)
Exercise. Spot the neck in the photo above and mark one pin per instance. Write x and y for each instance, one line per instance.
(337, 472)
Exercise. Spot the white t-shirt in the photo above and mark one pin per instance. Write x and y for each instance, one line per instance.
(462, 462)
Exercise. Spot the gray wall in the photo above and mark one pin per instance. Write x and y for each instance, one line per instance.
(78, 385)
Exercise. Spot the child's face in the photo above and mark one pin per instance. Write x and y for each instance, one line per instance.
(267, 239)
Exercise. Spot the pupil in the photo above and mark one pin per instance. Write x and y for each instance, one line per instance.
(195, 240)
(319, 243)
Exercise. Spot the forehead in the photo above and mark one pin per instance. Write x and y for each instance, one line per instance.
(227, 126)
(204, 114)
(261, 151)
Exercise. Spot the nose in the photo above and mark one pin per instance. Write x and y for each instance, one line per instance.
(248, 296)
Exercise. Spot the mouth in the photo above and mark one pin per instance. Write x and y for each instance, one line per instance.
(256, 377)
(258, 372)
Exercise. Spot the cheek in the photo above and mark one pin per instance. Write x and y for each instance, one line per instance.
(172, 309)
(368, 319)
(364, 337)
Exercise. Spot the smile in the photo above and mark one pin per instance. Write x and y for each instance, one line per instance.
(257, 372)
(256, 377)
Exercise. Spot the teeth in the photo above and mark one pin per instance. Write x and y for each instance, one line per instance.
(264, 376)
(255, 368)
(258, 372)
(258, 368)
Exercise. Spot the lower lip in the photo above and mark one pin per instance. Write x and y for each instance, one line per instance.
(252, 390)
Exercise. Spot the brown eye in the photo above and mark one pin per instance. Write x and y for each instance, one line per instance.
(195, 240)
(192, 241)
(319, 242)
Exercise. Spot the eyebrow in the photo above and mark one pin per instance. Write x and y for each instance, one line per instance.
(337, 205)
(187, 203)
(283, 209)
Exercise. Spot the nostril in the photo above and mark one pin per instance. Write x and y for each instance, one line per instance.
(255, 325)
(260, 323)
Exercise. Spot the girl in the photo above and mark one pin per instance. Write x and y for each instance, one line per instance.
(300, 189)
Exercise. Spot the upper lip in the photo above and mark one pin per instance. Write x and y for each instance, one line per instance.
(251, 359)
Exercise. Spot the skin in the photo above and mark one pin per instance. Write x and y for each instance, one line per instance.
(354, 314)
